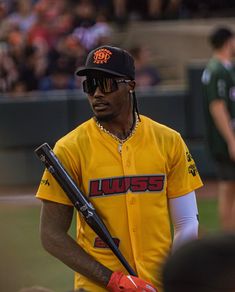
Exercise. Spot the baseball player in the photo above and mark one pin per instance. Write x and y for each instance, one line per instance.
(218, 81)
(138, 174)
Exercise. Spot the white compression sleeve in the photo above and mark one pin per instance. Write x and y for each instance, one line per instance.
(184, 216)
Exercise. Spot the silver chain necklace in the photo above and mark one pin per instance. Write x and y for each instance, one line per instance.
(120, 141)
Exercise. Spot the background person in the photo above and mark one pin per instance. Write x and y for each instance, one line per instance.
(135, 171)
(205, 265)
(146, 75)
(219, 91)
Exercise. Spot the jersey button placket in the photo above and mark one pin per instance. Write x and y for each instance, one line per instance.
(131, 199)
(133, 213)
(126, 158)
(132, 205)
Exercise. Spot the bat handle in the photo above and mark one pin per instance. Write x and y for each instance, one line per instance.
(130, 270)
(124, 262)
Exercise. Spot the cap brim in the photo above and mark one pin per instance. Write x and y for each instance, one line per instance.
(84, 71)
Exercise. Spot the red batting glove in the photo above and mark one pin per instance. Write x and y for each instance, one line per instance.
(126, 283)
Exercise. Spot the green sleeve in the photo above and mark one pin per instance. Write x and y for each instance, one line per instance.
(216, 87)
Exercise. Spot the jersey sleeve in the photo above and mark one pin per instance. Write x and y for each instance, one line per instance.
(183, 176)
(216, 86)
(49, 189)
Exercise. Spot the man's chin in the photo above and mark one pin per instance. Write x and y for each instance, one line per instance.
(102, 117)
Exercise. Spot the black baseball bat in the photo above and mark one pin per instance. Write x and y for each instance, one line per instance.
(79, 200)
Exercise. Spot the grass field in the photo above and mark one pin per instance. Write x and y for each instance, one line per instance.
(24, 263)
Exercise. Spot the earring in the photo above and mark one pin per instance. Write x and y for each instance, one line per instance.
(130, 91)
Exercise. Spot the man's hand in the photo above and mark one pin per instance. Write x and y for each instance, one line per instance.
(126, 283)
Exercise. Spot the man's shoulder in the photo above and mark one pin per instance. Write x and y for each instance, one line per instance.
(159, 128)
(215, 66)
(77, 133)
(214, 70)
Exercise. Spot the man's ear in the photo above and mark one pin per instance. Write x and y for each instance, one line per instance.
(131, 85)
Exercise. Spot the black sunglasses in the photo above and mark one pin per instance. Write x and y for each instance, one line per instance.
(106, 85)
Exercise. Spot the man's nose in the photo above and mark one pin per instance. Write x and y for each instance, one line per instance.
(98, 92)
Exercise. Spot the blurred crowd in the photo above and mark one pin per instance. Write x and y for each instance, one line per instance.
(42, 42)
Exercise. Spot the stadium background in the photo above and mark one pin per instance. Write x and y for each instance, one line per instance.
(179, 51)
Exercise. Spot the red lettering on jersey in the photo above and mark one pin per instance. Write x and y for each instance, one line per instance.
(156, 183)
(121, 185)
(115, 185)
(94, 189)
(99, 243)
(139, 184)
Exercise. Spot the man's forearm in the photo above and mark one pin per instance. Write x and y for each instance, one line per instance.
(55, 222)
(70, 253)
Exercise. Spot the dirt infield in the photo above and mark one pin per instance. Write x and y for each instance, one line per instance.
(26, 195)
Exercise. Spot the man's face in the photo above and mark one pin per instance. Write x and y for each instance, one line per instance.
(232, 46)
(110, 97)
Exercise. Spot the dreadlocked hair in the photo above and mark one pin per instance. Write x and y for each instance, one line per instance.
(135, 105)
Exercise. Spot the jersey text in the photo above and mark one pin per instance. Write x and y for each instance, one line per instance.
(119, 185)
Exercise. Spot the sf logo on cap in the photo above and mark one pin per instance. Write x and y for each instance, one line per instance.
(101, 56)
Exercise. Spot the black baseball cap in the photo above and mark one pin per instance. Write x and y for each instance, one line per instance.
(110, 60)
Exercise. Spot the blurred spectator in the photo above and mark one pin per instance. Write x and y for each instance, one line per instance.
(3, 10)
(18, 89)
(205, 9)
(40, 35)
(171, 9)
(84, 13)
(8, 69)
(69, 55)
(146, 74)
(16, 44)
(69, 50)
(24, 16)
(57, 14)
(58, 79)
(33, 68)
(74, 49)
(53, 20)
(145, 10)
(9, 5)
(92, 29)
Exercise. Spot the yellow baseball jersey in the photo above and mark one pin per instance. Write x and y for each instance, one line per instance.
(130, 191)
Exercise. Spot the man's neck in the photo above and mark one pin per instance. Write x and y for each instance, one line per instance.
(120, 127)
(223, 56)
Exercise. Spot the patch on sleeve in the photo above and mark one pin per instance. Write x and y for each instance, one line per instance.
(206, 77)
(99, 243)
(192, 168)
(221, 87)
(45, 182)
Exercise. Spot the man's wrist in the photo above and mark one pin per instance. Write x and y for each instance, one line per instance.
(106, 277)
